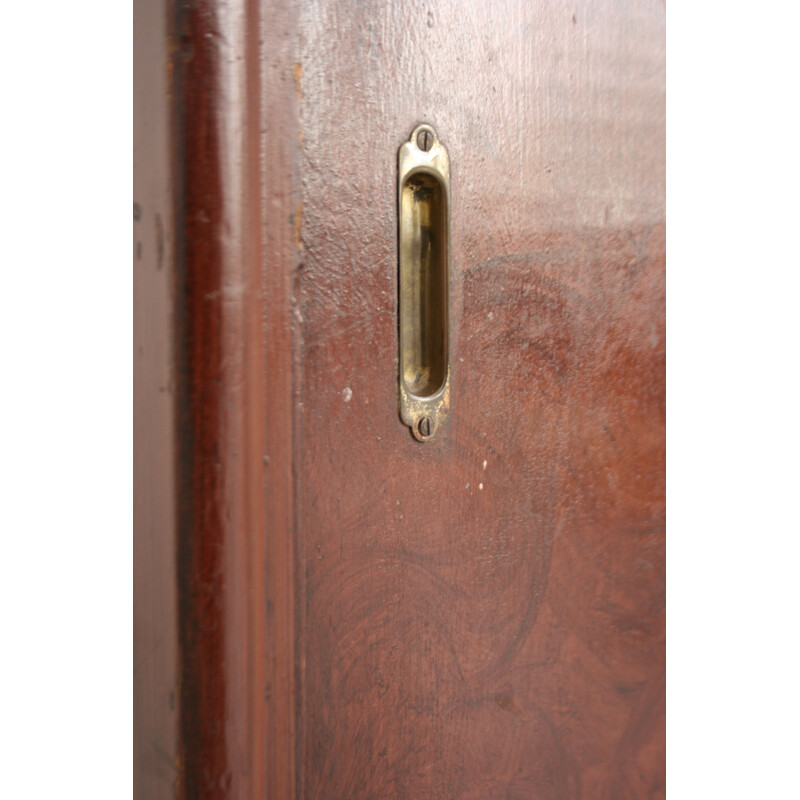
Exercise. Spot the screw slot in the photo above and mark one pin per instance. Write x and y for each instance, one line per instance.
(424, 426)
(425, 140)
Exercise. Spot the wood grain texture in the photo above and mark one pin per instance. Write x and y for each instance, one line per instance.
(361, 615)
(483, 614)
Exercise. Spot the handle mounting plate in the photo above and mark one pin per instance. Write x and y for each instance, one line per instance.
(423, 282)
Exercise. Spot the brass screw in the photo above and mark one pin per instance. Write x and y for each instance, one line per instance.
(425, 426)
(425, 140)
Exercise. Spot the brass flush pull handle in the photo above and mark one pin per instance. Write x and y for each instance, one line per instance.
(424, 265)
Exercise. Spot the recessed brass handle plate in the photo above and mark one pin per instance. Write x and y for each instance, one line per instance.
(424, 277)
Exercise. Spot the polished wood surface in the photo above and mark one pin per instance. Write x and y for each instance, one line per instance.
(483, 614)
(226, 511)
(363, 615)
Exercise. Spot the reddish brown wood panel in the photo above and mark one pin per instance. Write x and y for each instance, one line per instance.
(482, 615)
(362, 615)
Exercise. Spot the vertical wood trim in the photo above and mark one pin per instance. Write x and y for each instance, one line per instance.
(258, 405)
(201, 540)
(282, 223)
(225, 382)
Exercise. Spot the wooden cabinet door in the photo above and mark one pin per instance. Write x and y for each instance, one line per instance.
(363, 615)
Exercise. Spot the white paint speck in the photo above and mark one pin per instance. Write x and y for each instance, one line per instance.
(467, 486)
(347, 393)
(480, 486)
(484, 463)
(490, 315)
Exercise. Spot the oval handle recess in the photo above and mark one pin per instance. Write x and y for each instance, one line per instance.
(423, 283)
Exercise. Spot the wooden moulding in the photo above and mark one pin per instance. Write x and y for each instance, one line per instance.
(235, 565)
